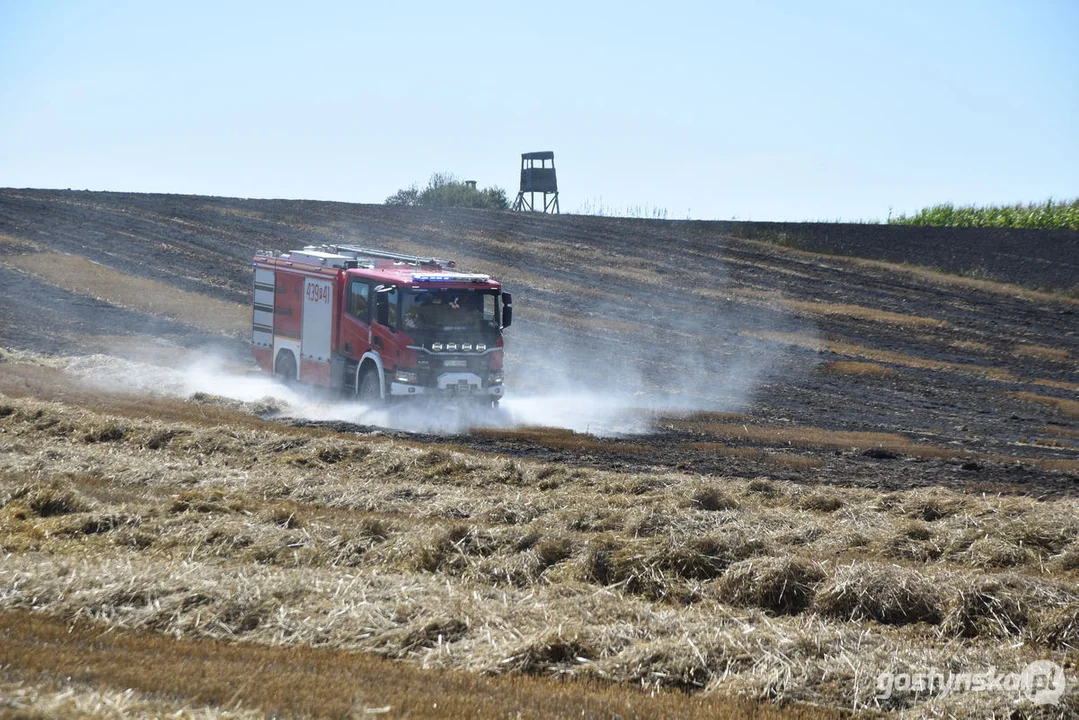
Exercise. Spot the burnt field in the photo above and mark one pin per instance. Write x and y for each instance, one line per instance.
(729, 467)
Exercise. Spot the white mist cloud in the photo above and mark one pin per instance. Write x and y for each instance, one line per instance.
(681, 356)
(218, 377)
(581, 411)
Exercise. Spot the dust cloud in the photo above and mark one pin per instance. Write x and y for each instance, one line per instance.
(224, 378)
(621, 366)
(596, 383)
(606, 368)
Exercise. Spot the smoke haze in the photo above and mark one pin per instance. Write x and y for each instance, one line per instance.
(609, 373)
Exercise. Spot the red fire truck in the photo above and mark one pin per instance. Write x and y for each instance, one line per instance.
(379, 325)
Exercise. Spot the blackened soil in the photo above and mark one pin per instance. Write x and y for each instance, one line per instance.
(664, 307)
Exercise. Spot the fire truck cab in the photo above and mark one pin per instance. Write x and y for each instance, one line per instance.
(379, 325)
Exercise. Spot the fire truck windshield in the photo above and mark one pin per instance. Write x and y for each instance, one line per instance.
(450, 310)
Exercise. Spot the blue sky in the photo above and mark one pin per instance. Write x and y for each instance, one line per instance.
(771, 111)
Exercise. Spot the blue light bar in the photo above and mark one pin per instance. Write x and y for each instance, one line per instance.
(426, 277)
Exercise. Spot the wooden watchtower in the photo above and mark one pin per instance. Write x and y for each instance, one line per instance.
(537, 176)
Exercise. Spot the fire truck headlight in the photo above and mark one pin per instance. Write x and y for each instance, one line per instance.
(407, 376)
(496, 377)
(437, 347)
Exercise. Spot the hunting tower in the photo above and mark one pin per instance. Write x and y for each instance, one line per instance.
(537, 177)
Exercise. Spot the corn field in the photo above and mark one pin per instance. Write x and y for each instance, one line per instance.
(1050, 215)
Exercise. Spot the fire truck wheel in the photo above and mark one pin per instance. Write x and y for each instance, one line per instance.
(369, 390)
(285, 367)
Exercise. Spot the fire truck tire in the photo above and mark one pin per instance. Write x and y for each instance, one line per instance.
(369, 392)
(285, 367)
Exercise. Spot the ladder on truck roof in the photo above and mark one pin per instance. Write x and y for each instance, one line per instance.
(361, 253)
(318, 256)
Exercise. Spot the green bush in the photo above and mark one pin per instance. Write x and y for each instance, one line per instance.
(445, 190)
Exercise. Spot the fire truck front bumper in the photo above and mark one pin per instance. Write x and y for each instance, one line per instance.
(455, 384)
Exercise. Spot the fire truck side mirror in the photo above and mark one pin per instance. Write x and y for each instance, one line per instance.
(382, 310)
(507, 309)
(382, 304)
